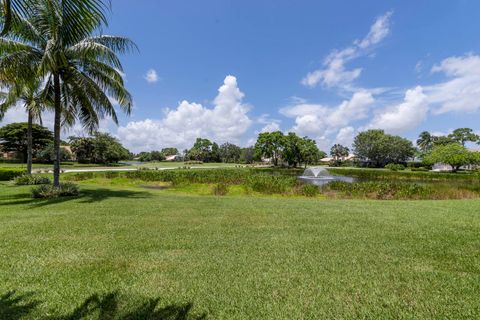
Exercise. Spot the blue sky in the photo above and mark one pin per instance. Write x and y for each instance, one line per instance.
(326, 69)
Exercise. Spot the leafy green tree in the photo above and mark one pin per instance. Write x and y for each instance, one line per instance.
(107, 149)
(204, 150)
(270, 145)
(309, 152)
(82, 148)
(463, 135)
(230, 153)
(453, 154)
(54, 39)
(169, 151)
(339, 152)
(14, 137)
(442, 140)
(378, 149)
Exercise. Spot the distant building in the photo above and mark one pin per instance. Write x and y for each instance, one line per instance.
(174, 158)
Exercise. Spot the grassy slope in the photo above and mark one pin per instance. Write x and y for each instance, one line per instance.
(236, 257)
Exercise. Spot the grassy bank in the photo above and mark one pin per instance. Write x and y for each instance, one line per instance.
(138, 253)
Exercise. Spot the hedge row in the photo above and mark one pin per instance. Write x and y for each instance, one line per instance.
(7, 174)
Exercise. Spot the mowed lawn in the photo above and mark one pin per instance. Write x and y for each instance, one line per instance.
(148, 254)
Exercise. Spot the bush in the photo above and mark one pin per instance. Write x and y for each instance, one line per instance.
(29, 179)
(270, 184)
(9, 174)
(395, 167)
(309, 190)
(419, 169)
(382, 190)
(49, 191)
(220, 189)
(193, 162)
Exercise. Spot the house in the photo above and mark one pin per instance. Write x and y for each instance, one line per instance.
(174, 157)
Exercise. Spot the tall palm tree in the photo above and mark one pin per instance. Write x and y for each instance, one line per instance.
(425, 141)
(34, 101)
(82, 69)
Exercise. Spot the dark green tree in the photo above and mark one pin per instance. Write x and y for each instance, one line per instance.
(14, 137)
(464, 135)
(270, 145)
(230, 153)
(375, 148)
(339, 152)
(169, 151)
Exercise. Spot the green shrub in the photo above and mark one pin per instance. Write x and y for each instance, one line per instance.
(193, 162)
(29, 179)
(269, 184)
(309, 190)
(419, 169)
(220, 189)
(48, 191)
(395, 167)
(382, 190)
(7, 174)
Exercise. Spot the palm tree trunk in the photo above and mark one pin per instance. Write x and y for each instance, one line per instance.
(29, 143)
(56, 131)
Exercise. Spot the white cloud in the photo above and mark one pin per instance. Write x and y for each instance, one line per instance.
(404, 116)
(334, 73)
(319, 121)
(226, 121)
(151, 76)
(271, 127)
(345, 136)
(461, 92)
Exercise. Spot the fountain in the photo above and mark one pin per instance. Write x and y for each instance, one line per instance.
(320, 176)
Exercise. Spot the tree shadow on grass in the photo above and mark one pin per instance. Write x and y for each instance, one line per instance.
(110, 306)
(15, 306)
(86, 196)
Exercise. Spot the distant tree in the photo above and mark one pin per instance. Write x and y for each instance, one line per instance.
(379, 149)
(145, 156)
(204, 150)
(230, 153)
(169, 151)
(82, 148)
(247, 155)
(297, 150)
(453, 154)
(14, 137)
(338, 152)
(309, 152)
(270, 145)
(463, 135)
(101, 148)
(425, 141)
(107, 149)
(46, 155)
(157, 156)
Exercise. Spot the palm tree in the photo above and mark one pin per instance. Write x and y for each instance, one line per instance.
(81, 69)
(11, 9)
(31, 95)
(425, 141)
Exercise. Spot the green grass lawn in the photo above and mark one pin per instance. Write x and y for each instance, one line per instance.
(132, 253)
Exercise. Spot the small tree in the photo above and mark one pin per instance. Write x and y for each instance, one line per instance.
(230, 153)
(453, 154)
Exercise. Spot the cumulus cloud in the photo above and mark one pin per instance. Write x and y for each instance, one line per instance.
(319, 121)
(345, 136)
(461, 91)
(227, 121)
(404, 116)
(151, 76)
(334, 72)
